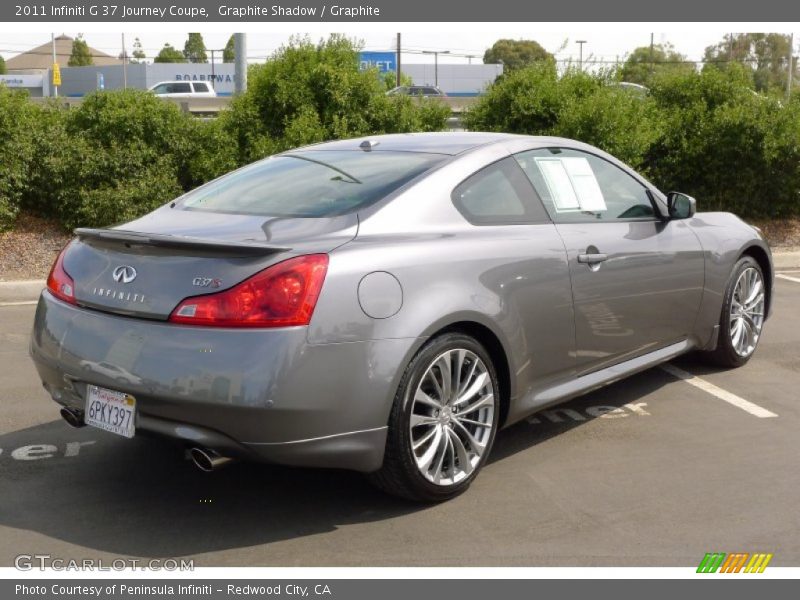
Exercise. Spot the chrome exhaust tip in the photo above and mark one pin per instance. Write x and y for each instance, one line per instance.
(72, 417)
(208, 460)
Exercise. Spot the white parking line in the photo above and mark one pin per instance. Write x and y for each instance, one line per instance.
(25, 303)
(706, 386)
(788, 278)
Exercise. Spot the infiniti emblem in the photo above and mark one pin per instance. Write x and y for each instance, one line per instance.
(124, 274)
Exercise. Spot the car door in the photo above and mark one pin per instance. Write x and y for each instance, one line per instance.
(525, 267)
(637, 280)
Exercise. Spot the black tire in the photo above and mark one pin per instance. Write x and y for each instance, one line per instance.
(725, 354)
(399, 474)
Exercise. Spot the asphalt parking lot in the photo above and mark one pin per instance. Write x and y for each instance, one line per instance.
(655, 470)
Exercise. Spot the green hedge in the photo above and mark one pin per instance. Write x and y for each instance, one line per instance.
(120, 154)
(707, 134)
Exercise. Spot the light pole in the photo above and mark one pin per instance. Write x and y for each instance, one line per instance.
(580, 53)
(436, 54)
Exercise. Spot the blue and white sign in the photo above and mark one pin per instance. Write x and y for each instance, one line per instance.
(383, 61)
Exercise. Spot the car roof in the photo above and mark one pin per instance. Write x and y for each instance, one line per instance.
(450, 143)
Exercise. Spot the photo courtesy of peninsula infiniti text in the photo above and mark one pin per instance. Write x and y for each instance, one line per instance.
(389, 304)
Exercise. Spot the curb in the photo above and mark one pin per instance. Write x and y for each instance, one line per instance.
(28, 291)
(786, 260)
(21, 291)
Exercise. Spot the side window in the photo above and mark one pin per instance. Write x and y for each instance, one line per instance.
(161, 89)
(577, 186)
(498, 195)
(200, 87)
(180, 88)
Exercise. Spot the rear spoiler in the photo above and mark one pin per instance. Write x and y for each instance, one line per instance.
(178, 242)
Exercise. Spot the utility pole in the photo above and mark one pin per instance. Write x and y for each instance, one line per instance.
(53, 38)
(213, 79)
(580, 53)
(651, 55)
(124, 64)
(436, 54)
(791, 68)
(397, 74)
(240, 69)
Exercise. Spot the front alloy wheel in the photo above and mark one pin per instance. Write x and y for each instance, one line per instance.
(743, 313)
(443, 421)
(747, 311)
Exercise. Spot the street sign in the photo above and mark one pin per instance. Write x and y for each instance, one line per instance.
(56, 74)
(383, 61)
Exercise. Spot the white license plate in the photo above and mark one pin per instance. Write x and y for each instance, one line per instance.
(110, 410)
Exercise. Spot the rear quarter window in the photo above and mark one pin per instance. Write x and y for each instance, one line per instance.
(498, 194)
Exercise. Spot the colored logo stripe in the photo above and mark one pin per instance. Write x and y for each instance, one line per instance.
(711, 562)
(758, 563)
(734, 562)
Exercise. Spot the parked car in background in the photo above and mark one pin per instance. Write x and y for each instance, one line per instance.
(388, 304)
(184, 89)
(417, 90)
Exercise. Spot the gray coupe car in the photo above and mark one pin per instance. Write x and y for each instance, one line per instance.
(388, 304)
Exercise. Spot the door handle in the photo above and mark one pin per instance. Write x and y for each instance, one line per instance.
(592, 258)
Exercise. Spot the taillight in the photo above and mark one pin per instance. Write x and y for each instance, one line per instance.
(59, 282)
(282, 295)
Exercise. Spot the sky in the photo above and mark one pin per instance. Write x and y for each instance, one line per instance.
(604, 41)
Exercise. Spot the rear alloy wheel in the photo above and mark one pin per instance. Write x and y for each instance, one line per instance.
(742, 317)
(443, 421)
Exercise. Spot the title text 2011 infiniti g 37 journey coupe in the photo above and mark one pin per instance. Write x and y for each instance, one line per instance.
(387, 304)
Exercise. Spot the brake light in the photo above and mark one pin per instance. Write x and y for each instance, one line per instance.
(282, 295)
(59, 282)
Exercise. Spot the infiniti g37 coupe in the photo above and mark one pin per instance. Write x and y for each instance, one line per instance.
(388, 304)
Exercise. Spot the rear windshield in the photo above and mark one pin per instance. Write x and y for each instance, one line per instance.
(311, 184)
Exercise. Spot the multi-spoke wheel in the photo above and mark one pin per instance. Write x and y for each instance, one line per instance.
(743, 313)
(443, 421)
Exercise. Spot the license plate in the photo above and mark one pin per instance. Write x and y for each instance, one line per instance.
(110, 410)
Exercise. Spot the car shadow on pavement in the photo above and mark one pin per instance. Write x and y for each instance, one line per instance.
(142, 498)
(605, 403)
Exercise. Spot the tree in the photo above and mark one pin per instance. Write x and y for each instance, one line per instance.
(643, 63)
(81, 55)
(3, 67)
(229, 54)
(195, 49)
(766, 55)
(138, 55)
(515, 54)
(168, 54)
(310, 92)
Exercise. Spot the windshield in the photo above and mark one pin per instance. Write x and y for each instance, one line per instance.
(311, 184)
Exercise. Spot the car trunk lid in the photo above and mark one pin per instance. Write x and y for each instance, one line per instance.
(147, 267)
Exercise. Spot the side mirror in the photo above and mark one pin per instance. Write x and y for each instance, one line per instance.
(681, 206)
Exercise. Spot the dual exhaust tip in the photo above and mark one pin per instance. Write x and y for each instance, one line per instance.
(202, 458)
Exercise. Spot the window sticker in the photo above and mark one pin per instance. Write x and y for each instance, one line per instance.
(558, 182)
(572, 184)
(585, 183)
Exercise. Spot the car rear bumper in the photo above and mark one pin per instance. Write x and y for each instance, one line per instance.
(262, 394)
